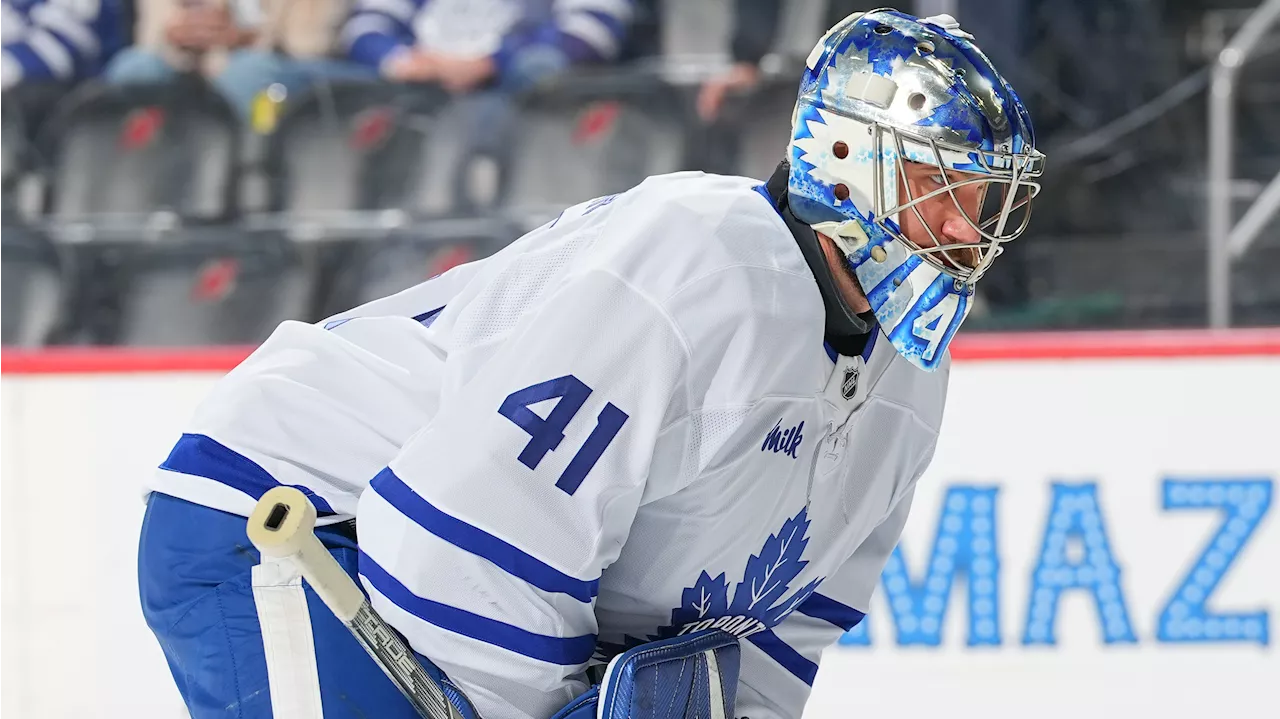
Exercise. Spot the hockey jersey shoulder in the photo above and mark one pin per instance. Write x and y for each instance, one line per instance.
(707, 254)
(674, 230)
(714, 255)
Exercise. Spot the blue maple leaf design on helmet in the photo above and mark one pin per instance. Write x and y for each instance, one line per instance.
(760, 599)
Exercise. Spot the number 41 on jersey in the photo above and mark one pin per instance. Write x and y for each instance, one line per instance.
(546, 434)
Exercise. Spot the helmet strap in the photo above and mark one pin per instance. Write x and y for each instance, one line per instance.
(845, 328)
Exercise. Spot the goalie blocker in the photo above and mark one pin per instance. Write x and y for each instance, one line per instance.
(246, 637)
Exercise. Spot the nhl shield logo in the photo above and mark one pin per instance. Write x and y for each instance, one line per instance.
(849, 387)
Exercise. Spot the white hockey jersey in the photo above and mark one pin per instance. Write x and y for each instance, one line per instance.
(624, 426)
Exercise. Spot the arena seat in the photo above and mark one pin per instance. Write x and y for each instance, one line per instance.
(590, 134)
(141, 149)
(358, 146)
(15, 152)
(33, 286)
(751, 135)
(360, 271)
(187, 286)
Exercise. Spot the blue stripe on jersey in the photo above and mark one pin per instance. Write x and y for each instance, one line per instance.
(764, 192)
(567, 651)
(616, 24)
(202, 456)
(871, 342)
(467, 537)
(827, 609)
(33, 66)
(429, 318)
(785, 655)
(426, 318)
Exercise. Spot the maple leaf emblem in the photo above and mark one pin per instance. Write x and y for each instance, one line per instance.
(769, 573)
(760, 599)
(708, 597)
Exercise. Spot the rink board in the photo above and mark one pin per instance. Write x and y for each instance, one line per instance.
(1097, 535)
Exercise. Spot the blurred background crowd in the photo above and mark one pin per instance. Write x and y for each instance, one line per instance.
(186, 172)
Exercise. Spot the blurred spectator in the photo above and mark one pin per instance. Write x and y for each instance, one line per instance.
(644, 31)
(58, 40)
(755, 28)
(469, 44)
(242, 46)
(1000, 24)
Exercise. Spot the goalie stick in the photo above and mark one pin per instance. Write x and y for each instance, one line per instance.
(282, 525)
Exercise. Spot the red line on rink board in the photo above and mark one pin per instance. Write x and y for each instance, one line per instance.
(1147, 344)
(1013, 346)
(121, 360)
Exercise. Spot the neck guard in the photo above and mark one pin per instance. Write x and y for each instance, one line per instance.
(845, 328)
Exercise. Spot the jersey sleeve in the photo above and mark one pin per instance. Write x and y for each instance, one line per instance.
(779, 665)
(377, 29)
(58, 40)
(319, 407)
(484, 540)
(578, 32)
(755, 28)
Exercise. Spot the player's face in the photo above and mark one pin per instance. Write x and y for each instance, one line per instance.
(941, 212)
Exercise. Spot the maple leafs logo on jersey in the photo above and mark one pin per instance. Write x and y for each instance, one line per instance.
(759, 601)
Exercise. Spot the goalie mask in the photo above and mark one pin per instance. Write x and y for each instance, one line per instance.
(883, 90)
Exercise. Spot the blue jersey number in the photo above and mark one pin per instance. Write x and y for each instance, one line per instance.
(546, 434)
